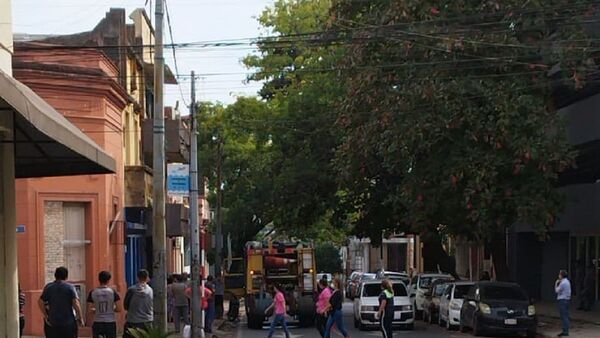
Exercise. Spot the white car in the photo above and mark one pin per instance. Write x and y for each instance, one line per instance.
(394, 276)
(451, 302)
(420, 284)
(366, 305)
(327, 276)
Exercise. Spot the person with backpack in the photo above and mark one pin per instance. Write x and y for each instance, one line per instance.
(105, 304)
(386, 308)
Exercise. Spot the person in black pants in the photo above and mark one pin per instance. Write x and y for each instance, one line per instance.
(21, 312)
(386, 308)
(60, 306)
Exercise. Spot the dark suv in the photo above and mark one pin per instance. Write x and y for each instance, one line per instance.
(497, 307)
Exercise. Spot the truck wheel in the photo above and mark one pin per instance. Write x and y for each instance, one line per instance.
(255, 322)
(306, 311)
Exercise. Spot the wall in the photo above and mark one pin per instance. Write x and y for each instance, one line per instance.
(54, 234)
(6, 37)
(94, 104)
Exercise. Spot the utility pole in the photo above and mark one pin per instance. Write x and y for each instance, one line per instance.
(159, 233)
(219, 234)
(197, 315)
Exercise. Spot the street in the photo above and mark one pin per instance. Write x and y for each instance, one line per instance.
(422, 330)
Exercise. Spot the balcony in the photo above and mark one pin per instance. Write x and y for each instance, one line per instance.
(138, 186)
(177, 219)
(177, 141)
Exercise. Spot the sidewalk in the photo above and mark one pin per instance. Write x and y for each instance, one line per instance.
(223, 329)
(583, 324)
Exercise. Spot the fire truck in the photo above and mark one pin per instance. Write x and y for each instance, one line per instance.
(289, 264)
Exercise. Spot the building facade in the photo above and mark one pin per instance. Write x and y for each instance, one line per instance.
(71, 221)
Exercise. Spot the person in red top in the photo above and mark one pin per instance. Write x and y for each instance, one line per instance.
(279, 305)
(207, 295)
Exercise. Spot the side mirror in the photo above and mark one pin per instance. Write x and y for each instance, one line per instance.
(472, 303)
(448, 297)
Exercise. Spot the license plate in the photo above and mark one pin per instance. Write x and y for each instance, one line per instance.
(510, 321)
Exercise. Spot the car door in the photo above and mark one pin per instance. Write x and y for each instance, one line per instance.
(357, 304)
(445, 301)
(469, 306)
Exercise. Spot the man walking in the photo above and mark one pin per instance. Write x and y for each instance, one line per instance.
(563, 295)
(181, 305)
(139, 305)
(104, 305)
(60, 307)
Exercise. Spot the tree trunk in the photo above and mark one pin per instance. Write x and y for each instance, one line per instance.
(498, 250)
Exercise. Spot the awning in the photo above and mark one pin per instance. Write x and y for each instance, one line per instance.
(46, 143)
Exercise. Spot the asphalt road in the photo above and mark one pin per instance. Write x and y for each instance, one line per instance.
(421, 330)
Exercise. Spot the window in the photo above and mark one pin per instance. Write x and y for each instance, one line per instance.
(503, 293)
(399, 290)
(460, 291)
(371, 290)
(74, 242)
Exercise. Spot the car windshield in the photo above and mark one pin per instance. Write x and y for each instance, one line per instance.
(399, 290)
(439, 289)
(502, 293)
(426, 281)
(371, 290)
(367, 276)
(460, 291)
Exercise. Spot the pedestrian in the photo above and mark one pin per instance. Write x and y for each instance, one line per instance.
(139, 305)
(21, 311)
(170, 310)
(279, 306)
(104, 305)
(209, 315)
(219, 296)
(563, 296)
(386, 308)
(336, 316)
(60, 306)
(322, 306)
(589, 284)
(181, 303)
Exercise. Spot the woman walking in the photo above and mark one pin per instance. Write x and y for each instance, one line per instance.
(335, 311)
(386, 308)
(322, 306)
(279, 305)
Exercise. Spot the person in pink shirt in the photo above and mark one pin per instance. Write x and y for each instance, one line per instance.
(323, 306)
(279, 305)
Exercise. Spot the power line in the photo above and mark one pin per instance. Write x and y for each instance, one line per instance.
(174, 54)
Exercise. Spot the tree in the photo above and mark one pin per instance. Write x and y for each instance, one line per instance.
(302, 126)
(328, 258)
(448, 121)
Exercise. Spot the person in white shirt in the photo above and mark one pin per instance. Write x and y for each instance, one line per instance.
(562, 287)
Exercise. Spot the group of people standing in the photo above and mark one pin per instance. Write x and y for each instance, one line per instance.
(329, 308)
(179, 294)
(61, 308)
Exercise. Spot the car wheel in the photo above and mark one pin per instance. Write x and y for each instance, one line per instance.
(461, 327)
(418, 314)
(477, 331)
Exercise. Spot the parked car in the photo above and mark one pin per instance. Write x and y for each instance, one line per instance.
(451, 303)
(431, 305)
(352, 283)
(419, 285)
(327, 276)
(499, 308)
(366, 305)
(394, 276)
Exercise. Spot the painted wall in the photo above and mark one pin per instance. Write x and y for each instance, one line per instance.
(6, 36)
(95, 105)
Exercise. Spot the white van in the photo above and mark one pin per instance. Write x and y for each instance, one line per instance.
(366, 305)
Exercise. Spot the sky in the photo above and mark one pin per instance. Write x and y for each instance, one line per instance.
(220, 70)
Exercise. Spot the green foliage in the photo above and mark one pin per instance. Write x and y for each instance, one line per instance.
(149, 333)
(328, 258)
